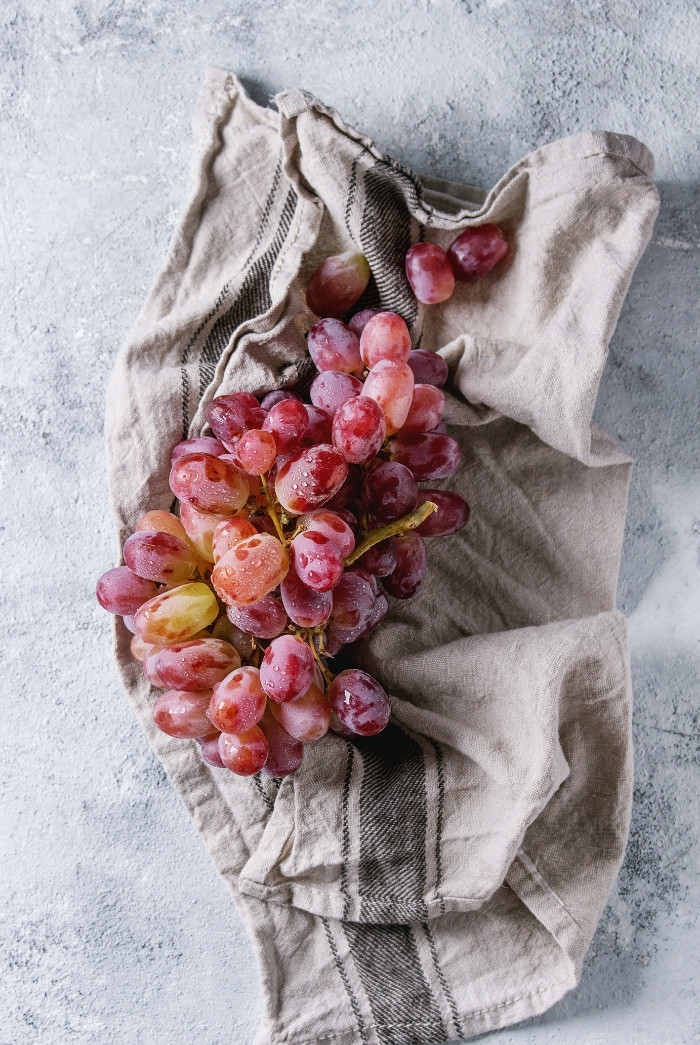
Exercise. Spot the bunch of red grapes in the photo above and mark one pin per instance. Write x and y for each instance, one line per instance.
(296, 521)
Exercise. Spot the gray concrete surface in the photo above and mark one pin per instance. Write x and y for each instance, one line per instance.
(114, 927)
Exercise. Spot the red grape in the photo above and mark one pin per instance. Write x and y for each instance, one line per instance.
(121, 591)
(265, 619)
(209, 484)
(390, 383)
(359, 702)
(244, 753)
(451, 515)
(349, 493)
(380, 560)
(257, 450)
(426, 410)
(287, 668)
(360, 320)
(337, 284)
(253, 567)
(429, 272)
(278, 395)
(160, 557)
(390, 491)
(333, 525)
(307, 608)
(428, 367)
(333, 346)
(310, 478)
(331, 389)
(307, 718)
(385, 336)
(353, 602)
(196, 664)
(320, 427)
(429, 455)
(409, 573)
(229, 533)
(238, 701)
(182, 714)
(285, 754)
(209, 750)
(476, 251)
(229, 417)
(317, 560)
(288, 422)
(359, 428)
(204, 445)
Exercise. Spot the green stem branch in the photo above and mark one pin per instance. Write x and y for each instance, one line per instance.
(392, 529)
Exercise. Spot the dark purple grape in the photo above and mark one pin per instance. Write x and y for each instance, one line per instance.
(390, 491)
(229, 417)
(332, 388)
(429, 455)
(380, 560)
(476, 251)
(359, 702)
(428, 367)
(307, 608)
(320, 426)
(451, 515)
(265, 619)
(278, 395)
(410, 566)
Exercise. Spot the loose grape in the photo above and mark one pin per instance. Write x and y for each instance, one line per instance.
(476, 251)
(287, 422)
(285, 754)
(278, 396)
(287, 668)
(310, 478)
(380, 559)
(307, 718)
(176, 615)
(209, 484)
(257, 449)
(162, 522)
(265, 619)
(229, 533)
(238, 701)
(429, 455)
(359, 702)
(333, 346)
(359, 428)
(229, 417)
(332, 388)
(317, 560)
(451, 515)
(386, 336)
(390, 491)
(160, 557)
(121, 591)
(182, 714)
(205, 445)
(409, 573)
(426, 410)
(428, 367)
(360, 320)
(337, 284)
(197, 664)
(390, 383)
(320, 426)
(429, 272)
(307, 608)
(209, 750)
(254, 567)
(334, 526)
(245, 753)
(200, 528)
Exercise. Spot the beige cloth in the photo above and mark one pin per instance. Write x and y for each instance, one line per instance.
(446, 877)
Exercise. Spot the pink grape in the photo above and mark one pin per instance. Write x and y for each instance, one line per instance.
(410, 566)
(338, 727)
(243, 753)
(258, 416)
(333, 346)
(176, 615)
(429, 455)
(128, 619)
(196, 664)
(277, 396)
(122, 592)
(287, 668)
(148, 664)
(426, 410)
(250, 400)
(390, 384)
(306, 607)
(285, 754)
(237, 701)
(386, 336)
(360, 320)
(476, 251)
(320, 426)
(307, 718)
(317, 560)
(253, 567)
(160, 557)
(334, 526)
(390, 491)
(287, 422)
(209, 484)
(162, 522)
(337, 284)
(229, 417)
(200, 528)
(229, 533)
(182, 714)
(310, 478)
(205, 445)
(332, 388)
(451, 515)
(380, 560)
(209, 750)
(257, 450)
(265, 619)
(360, 703)
(429, 272)
(428, 367)
(359, 428)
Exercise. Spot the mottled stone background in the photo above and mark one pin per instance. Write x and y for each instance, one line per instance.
(115, 927)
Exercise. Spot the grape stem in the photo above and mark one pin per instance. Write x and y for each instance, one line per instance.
(324, 670)
(271, 511)
(392, 529)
